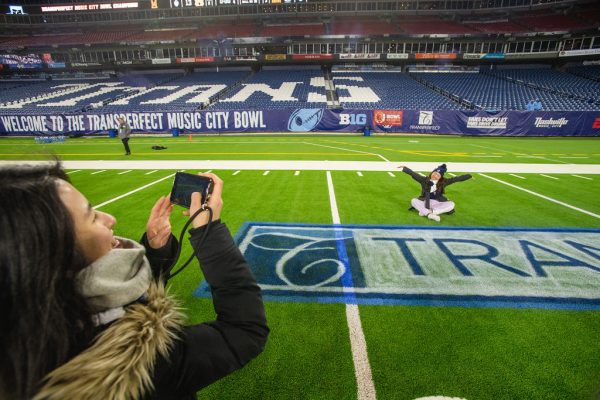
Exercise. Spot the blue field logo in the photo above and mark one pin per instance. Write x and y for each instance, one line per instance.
(305, 119)
(482, 267)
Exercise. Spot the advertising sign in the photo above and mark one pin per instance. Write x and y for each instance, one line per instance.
(275, 57)
(435, 56)
(484, 56)
(575, 53)
(360, 56)
(397, 56)
(161, 61)
(240, 58)
(476, 123)
(89, 7)
(312, 57)
(387, 118)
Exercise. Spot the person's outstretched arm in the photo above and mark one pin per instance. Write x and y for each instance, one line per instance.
(459, 178)
(417, 177)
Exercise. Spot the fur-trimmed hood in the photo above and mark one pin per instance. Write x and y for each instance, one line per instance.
(120, 363)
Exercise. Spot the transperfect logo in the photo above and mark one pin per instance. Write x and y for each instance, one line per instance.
(481, 267)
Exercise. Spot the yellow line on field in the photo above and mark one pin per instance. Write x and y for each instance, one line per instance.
(172, 154)
(434, 153)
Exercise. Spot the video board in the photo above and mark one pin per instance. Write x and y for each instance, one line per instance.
(212, 3)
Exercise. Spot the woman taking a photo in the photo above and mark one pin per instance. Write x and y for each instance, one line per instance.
(86, 314)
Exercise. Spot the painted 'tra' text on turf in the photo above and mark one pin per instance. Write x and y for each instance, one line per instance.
(437, 266)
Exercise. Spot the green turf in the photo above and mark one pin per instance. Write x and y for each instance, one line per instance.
(402, 148)
(474, 353)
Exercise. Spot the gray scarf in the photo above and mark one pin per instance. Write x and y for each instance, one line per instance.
(119, 278)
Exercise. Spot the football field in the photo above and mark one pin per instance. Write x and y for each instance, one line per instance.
(364, 298)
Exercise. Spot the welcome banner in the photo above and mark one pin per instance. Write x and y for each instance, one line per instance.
(503, 123)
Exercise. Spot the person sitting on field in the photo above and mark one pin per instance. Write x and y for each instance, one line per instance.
(86, 313)
(432, 202)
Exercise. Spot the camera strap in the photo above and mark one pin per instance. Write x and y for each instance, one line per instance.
(202, 239)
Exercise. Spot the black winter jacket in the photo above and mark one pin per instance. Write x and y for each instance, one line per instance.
(149, 354)
(212, 350)
(426, 183)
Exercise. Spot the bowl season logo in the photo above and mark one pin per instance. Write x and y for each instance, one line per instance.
(388, 118)
(305, 119)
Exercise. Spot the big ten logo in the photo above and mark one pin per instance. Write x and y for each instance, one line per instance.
(353, 119)
(596, 124)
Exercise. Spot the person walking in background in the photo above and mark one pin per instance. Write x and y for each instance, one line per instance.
(432, 202)
(124, 132)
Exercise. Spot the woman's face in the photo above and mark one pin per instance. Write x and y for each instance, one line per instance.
(93, 229)
(435, 176)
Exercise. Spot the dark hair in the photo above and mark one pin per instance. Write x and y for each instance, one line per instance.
(46, 320)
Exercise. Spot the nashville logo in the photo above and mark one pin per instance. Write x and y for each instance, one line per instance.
(550, 123)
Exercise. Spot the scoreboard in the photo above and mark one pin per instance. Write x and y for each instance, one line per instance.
(209, 3)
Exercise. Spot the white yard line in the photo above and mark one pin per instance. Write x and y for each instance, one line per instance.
(391, 174)
(266, 173)
(206, 172)
(124, 172)
(296, 173)
(358, 344)
(236, 172)
(583, 177)
(548, 176)
(335, 215)
(517, 176)
(133, 191)
(542, 196)
(450, 173)
(72, 172)
(97, 172)
(359, 173)
(356, 151)
(298, 165)
(573, 157)
(151, 172)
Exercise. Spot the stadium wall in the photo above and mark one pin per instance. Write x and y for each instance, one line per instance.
(303, 120)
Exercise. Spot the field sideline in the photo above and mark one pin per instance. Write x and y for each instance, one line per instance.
(325, 349)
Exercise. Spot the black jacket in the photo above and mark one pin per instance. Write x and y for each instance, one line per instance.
(212, 350)
(149, 354)
(426, 183)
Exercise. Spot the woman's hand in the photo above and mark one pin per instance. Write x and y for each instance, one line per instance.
(215, 202)
(158, 228)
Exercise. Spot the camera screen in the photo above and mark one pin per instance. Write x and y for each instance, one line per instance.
(186, 184)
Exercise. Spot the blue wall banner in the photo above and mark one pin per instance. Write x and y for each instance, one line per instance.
(478, 123)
